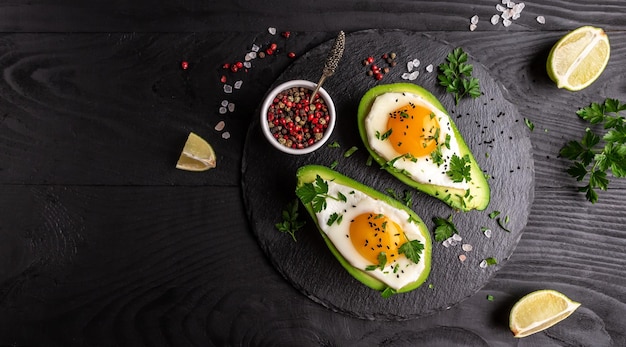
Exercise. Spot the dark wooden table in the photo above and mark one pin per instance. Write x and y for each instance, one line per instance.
(104, 243)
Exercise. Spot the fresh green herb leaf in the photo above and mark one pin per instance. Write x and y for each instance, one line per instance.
(412, 250)
(334, 164)
(594, 156)
(444, 228)
(388, 292)
(491, 261)
(456, 76)
(494, 214)
(290, 223)
(502, 224)
(382, 261)
(386, 135)
(335, 217)
(460, 169)
(350, 151)
(529, 124)
(316, 194)
(369, 160)
(490, 297)
(335, 144)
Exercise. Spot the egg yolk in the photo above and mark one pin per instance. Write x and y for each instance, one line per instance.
(414, 130)
(371, 234)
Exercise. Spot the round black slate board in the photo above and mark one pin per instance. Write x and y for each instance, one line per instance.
(490, 124)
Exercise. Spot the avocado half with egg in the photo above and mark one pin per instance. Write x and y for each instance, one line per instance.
(377, 239)
(410, 134)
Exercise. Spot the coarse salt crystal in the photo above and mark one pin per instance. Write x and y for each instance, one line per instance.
(500, 8)
(457, 237)
(220, 126)
(223, 110)
(462, 257)
(228, 88)
(271, 30)
(483, 264)
(467, 247)
(495, 19)
(487, 233)
(429, 68)
(413, 75)
(446, 243)
(226, 135)
(255, 48)
(224, 103)
(238, 84)
(515, 16)
(541, 19)
(452, 242)
(506, 14)
(472, 27)
(247, 64)
(510, 4)
(506, 22)
(405, 76)
(474, 19)
(409, 66)
(231, 107)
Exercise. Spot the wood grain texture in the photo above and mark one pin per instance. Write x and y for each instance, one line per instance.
(103, 243)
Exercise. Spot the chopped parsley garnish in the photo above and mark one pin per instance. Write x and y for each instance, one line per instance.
(491, 261)
(290, 223)
(594, 156)
(444, 228)
(350, 151)
(335, 144)
(388, 292)
(494, 214)
(529, 124)
(407, 198)
(316, 193)
(460, 169)
(383, 136)
(382, 261)
(456, 76)
(335, 217)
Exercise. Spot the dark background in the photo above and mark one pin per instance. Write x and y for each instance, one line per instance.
(104, 243)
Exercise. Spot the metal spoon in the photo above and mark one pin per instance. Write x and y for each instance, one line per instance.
(334, 55)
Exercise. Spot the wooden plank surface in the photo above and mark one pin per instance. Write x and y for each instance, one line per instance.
(103, 242)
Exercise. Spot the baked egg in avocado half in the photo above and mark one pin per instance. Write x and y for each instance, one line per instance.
(410, 134)
(378, 240)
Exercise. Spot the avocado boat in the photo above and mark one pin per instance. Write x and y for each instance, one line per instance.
(397, 259)
(474, 193)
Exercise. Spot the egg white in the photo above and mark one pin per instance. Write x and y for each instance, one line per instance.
(339, 233)
(422, 170)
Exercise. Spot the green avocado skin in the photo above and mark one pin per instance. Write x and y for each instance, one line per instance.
(479, 195)
(308, 173)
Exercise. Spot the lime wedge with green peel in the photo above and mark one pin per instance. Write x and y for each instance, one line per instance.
(538, 311)
(197, 155)
(579, 58)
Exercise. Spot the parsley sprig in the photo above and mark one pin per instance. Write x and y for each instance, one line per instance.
(595, 155)
(412, 250)
(444, 228)
(290, 223)
(460, 169)
(316, 193)
(456, 76)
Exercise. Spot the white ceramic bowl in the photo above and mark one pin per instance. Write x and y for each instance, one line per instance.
(270, 98)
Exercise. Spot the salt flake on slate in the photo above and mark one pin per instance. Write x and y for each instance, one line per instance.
(483, 264)
(467, 247)
(500, 8)
(220, 126)
(231, 107)
(228, 88)
(271, 30)
(238, 84)
(495, 19)
(247, 64)
(474, 19)
(487, 233)
(541, 19)
(507, 22)
(255, 48)
(429, 68)
(223, 110)
(472, 27)
(413, 75)
(446, 243)
(224, 103)
(226, 135)
(462, 257)
(457, 237)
